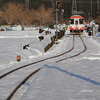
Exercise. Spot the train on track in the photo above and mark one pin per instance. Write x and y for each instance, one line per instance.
(76, 24)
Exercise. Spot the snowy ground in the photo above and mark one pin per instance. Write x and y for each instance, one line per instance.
(73, 79)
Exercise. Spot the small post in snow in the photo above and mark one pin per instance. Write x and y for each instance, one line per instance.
(18, 58)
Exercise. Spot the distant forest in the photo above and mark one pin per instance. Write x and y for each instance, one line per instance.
(90, 9)
(32, 3)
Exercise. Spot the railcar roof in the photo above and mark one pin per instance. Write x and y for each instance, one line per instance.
(76, 16)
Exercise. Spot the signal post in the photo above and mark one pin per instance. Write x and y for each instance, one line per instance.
(57, 7)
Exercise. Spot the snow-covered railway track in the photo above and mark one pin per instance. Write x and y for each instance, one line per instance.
(38, 61)
(32, 73)
(21, 83)
(15, 88)
(75, 54)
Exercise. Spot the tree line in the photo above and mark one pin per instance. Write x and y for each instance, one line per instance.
(12, 14)
(32, 3)
(82, 5)
(90, 10)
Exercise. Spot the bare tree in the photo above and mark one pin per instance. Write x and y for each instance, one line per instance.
(12, 14)
(8, 13)
(25, 17)
(44, 15)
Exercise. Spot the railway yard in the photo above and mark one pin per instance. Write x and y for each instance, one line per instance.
(69, 70)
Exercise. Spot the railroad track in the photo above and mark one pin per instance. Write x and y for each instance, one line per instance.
(14, 91)
(38, 61)
(30, 75)
(75, 54)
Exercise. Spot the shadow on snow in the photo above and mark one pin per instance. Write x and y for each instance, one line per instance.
(75, 75)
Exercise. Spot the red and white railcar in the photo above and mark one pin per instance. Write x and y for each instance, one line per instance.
(76, 24)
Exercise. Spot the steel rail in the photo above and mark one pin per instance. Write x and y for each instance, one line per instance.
(14, 91)
(38, 61)
(33, 73)
(75, 54)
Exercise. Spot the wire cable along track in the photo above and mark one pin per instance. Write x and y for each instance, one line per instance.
(38, 61)
(75, 54)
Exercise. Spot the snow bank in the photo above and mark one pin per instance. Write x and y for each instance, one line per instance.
(12, 43)
(98, 35)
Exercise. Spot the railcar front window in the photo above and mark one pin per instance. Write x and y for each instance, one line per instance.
(71, 21)
(81, 21)
(76, 22)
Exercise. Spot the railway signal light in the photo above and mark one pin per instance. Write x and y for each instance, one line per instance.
(57, 8)
(58, 4)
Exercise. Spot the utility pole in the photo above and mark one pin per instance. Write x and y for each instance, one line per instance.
(27, 5)
(56, 24)
(91, 8)
(74, 7)
(58, 4)
(52, 3)
(98, 6)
